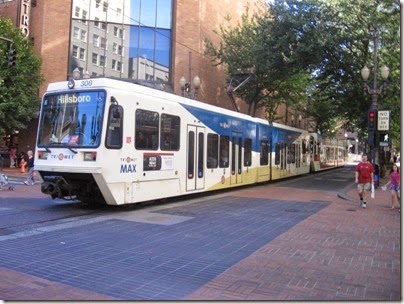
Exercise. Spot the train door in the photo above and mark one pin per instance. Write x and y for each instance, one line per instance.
(236, 158)
(282, 158)
(195, 158)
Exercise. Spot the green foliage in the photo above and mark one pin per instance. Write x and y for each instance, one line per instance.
(19, 85)
(308, 55)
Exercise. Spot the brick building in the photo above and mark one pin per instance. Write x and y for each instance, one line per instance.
(104, 38)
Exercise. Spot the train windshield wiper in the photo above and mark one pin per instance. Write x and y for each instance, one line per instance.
(47, 149)
(65, 145)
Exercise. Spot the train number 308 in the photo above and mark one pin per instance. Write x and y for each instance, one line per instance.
(86, 83)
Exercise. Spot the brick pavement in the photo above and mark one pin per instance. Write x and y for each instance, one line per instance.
(343, 252)
(340, 253)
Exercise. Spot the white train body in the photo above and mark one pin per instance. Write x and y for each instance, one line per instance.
(108, 141)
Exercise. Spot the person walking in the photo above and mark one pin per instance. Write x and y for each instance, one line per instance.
(30, 165)
(394, 186)
(364, 179)
(22, 163)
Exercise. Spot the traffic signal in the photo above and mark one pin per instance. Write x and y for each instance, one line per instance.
(384, 139)
(372, 119)
(12, 56)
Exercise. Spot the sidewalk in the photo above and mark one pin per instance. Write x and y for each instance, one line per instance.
(13, 172)
(342, 253)
(23, 190)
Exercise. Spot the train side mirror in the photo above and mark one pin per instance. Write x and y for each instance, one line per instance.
(116, 113)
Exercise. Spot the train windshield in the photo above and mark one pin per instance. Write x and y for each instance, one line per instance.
(71, 119)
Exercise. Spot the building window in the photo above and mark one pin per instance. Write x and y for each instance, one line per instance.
(77, 12)
(76, 33)
(96, 40)
(83, 35)
(75, 51)
(116, 65)
(104, 43)
(117, 49)
(94, 58)
(103, 61)
(118, 32)
(82, 54)
(84, 17)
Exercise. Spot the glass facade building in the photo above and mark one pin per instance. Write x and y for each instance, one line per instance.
(127, 39)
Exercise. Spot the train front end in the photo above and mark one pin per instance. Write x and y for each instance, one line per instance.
(68, 141)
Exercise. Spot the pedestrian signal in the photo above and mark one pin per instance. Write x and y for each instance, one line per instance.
(384, 139)
(12, 56)
(372, 120)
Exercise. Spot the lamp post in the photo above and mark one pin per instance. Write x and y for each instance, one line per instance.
(186, 87)
(374, 91)
(76, 74)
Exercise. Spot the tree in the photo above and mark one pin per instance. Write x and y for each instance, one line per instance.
(326, 43)
(244, 50)
(19, 84)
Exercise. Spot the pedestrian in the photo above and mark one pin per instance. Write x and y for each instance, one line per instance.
(13, 155)
(364, 178)
(1, 162)
(394, 186)
(376, 175)
(30, 165)
(22, 163)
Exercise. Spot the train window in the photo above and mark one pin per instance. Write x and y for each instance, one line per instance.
(291, 154)
(240, 149)
(233, 159)
(170, 132)
(224, 151)
(191, 156)
(247, 151)
(147, 130)
(277, 153)
(264, 153)
(298, 156)
(312, 145)
(304, 146)
(212, 147)
(114, 128)
(200, 154)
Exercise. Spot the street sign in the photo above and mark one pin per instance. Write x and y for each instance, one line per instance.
(383, 121)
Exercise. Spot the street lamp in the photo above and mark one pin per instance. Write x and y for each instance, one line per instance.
(76, 74)
(374, 91)
(186, 87)
(86, 75)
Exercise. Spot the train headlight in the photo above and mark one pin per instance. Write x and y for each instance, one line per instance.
(90, 156)
(42, 155)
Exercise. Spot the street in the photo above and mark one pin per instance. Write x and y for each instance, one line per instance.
(180, 249)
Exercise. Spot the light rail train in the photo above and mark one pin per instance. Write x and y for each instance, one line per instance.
(113, 142)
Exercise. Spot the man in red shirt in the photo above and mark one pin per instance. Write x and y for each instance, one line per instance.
(364, 178)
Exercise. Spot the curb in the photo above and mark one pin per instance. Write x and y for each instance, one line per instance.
(343, 194)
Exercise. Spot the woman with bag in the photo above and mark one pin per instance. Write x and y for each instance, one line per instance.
(394, 186)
